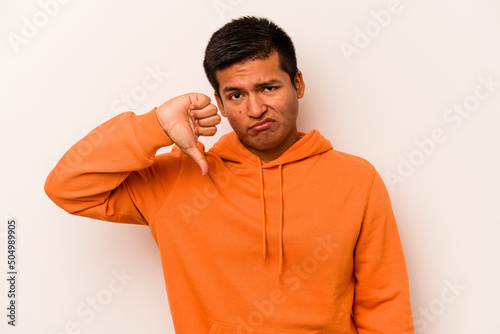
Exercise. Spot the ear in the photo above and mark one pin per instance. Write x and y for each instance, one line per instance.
(220, 104)
(300, 86)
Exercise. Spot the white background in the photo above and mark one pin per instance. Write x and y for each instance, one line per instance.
(64, 77)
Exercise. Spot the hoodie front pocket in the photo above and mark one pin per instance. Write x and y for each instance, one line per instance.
(221, 328)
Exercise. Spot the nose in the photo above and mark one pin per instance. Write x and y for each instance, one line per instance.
(255, 106)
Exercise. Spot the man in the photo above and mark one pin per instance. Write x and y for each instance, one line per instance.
(279, 233)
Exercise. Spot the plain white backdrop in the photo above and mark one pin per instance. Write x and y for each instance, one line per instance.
(412, 86)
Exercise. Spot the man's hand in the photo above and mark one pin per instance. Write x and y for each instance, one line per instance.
(184, 118)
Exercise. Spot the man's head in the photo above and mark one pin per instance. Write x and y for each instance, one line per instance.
(252, 65)
(248, 38)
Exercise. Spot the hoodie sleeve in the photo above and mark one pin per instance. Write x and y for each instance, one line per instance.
(381, 297)
(90, 179)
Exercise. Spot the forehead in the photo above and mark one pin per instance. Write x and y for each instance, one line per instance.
(251, 73)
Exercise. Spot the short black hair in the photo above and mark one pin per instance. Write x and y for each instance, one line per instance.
(248, 38)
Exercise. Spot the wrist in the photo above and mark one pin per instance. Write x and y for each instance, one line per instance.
(149, 132)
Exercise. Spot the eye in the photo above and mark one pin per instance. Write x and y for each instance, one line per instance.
(270, 88)
(234, 96)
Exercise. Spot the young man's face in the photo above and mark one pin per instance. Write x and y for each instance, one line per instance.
(261, 104)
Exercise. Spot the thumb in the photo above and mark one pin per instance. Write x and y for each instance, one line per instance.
(194, 153)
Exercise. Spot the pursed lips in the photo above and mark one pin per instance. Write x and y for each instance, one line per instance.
(264, 124)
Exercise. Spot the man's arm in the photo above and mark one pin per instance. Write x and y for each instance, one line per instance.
(381, 297)
(89, 180)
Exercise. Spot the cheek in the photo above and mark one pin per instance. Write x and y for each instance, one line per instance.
(236, 112)
(232, 112)
(234, 119)
(290, 111)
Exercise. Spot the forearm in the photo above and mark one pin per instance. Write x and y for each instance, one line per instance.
(93, 169)
(382, 301)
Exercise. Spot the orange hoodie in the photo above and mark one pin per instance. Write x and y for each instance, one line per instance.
(306, 243)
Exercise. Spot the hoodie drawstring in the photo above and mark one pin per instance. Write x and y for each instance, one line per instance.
(280, 265)
(263, 212)
(263, 215)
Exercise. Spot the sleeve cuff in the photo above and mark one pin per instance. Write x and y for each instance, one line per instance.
(149, 133)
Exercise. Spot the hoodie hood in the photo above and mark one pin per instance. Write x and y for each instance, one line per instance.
(230, 148)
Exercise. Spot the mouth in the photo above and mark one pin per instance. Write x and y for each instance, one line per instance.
(262, 125)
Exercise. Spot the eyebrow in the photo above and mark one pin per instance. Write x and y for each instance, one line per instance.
(259, 85)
